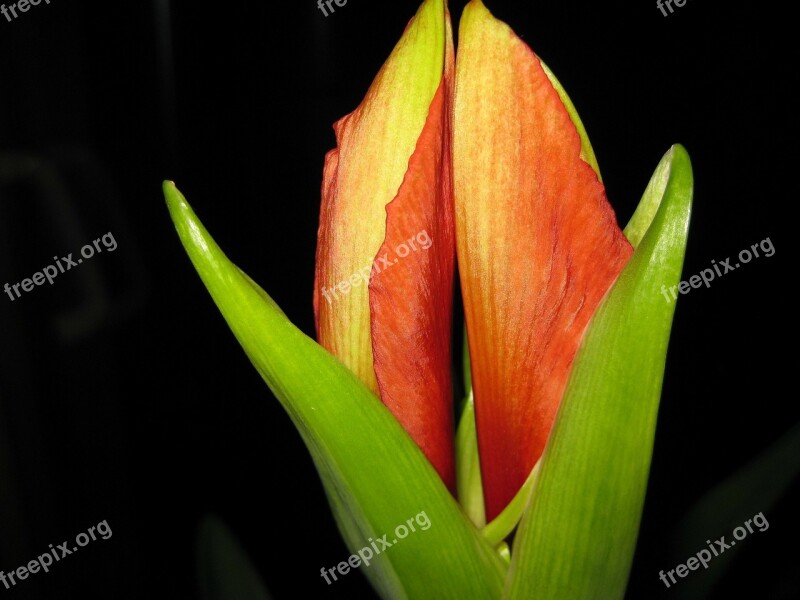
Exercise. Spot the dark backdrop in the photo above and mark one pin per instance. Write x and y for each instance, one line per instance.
(124, 397)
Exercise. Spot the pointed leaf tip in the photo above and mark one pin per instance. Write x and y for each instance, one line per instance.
(364, 457)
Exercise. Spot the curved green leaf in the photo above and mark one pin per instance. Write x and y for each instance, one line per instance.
(466, 368)
(578, 536)
(587, 152)
(503, 524)
(374, 475)
(224, 569)
(756, 487)
(648, 206)
(468, 468)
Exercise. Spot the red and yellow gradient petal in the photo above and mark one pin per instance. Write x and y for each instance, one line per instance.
(538, 245)
(387, 191)
(412, 301)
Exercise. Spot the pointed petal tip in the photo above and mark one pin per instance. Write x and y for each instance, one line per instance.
(387, 160)
(473, 10)
(540, 199)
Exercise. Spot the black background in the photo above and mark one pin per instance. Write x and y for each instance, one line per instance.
(153, 417)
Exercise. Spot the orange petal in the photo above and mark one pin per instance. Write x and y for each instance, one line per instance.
(395, 333)
(537, 242)
(412, 302)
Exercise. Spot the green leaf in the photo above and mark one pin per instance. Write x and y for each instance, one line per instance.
(578, 536)
(468, 474)
(587, 153)
(224, 569)
(467, 370)
(649, 204)
(755, 488)
(503, 524)
(468, 468)
(374, 475)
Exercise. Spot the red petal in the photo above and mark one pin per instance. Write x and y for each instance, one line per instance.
(362, 175)
(387, 184)
(538, 245)
(411, 296)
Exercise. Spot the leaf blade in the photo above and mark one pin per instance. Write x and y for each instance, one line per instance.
(225, 572)
(578, 536)
(374, 474)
